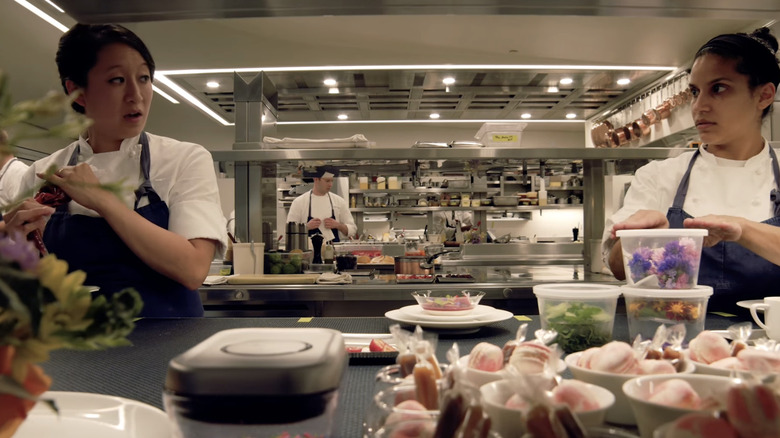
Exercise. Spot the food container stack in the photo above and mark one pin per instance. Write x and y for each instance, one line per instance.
(662, 270)
(501, 135)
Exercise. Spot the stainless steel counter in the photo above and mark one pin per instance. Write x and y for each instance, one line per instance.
(509, 287)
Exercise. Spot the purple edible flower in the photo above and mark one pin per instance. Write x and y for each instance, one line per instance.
(15, 248)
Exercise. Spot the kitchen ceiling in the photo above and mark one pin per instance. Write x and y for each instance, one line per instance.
(282, 37)
(410, 93)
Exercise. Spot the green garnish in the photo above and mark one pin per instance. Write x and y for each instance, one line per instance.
(579, 326)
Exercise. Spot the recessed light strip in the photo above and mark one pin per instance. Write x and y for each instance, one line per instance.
(190, 98)
(420, 67)
(336, 122)
(162, 93)
(42, 15)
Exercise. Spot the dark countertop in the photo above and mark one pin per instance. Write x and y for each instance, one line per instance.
(138, 372)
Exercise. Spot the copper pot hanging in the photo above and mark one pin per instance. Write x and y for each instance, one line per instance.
(619, 137)
(664, 110)
(651, 117)
(639, 128)
(600, 134)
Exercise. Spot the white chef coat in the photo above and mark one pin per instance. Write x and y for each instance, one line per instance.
(320, 209)
(717, 186)
(10, 178)
(181, 173)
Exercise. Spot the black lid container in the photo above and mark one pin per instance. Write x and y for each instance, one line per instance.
(257, 382)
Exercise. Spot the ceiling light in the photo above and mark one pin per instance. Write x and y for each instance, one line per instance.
(434, 115)
(191, 99)
(552, 89)
(212, 84)
(330, 82)
(566, 81)
(43, 15)
(525, 116)
(406, 121)
(571, 115)
(54, 5)
(623, 81)
(448, 80)
(333, 90)
(167, 96)
(343, 117)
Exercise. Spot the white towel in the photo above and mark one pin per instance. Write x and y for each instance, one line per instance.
(215, 279)
(333, 278)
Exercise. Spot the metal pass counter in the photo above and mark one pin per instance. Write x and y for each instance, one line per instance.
(138, 372)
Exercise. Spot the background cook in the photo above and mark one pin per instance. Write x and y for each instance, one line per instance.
(322, 210)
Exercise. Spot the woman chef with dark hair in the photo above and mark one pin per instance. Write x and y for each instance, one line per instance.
(728, 186)
(322, 211)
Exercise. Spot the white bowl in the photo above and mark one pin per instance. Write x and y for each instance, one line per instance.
(509, 423)
(479, 377)
(651, 416)
(620, 412)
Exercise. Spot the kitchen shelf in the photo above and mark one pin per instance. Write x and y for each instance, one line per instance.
(421, 191)
(480, 208)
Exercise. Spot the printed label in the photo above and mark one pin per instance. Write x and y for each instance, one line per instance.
(504, 138)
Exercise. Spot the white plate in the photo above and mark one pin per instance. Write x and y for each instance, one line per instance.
(417, 312)
(85, 415)
(746, 304)
(494, 315)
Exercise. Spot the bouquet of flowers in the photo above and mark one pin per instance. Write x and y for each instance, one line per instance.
(43, 307)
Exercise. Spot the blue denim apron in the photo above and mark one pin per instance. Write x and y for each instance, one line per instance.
(90, 244)
(734, 272)
(332, 216)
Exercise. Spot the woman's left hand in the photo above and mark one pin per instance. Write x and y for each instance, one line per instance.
(721, 228)
(80, 183)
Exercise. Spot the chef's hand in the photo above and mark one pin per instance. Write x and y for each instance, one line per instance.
(642, 219)
(27, 217)
(720, 228)
(314, 223)
(81, 184)
(331, 223)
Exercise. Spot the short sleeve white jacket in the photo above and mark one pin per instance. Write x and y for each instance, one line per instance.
(10, 177)
(181, 173)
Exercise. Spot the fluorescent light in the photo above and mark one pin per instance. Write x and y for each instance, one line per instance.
(571, 115)
(566, 81)
(330, 82)
(43, 15)
(525, 116)
(343, 117)
(329, 122)
(54, 5)
(623, 81)
(418, 67)
(448, 80)
(333, 90)
(190, 98)
(552, 89)
(164, 94)
(212, 84)
(434, 116)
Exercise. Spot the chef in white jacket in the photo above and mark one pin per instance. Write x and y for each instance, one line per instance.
(323, 211)
(730, 185)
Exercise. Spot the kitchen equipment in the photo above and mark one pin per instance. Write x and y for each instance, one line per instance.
(430, 144)
(297, 236)
(505, 201)
(345, 262)
(651, 117)
(316, 243)
(500, 135)
(639, 128)
(257, 382)
(412, 265)
(600, 133)
(248, 258)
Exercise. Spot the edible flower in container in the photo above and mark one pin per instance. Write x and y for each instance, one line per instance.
(662, 258)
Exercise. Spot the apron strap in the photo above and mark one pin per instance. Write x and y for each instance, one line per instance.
(682, 189)
(145, 189)
(774, 195)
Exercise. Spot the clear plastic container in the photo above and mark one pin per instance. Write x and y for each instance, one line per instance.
(662, 258)
(583, 314)
(257, 382)
(501, 135)
(647, 309)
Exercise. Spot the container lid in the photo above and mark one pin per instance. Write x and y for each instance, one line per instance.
(583, 291)
(260, 362)
(696, 292)
(662, 232)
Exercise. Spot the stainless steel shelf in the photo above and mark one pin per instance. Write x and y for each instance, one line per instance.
(488, 209)
(252, 152)
(422, 191)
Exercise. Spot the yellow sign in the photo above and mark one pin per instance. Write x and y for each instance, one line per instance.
(504, 138)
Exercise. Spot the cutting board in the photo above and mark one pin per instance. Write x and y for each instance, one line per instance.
(273, 279)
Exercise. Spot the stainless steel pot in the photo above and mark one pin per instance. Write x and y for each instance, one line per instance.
(412, 265)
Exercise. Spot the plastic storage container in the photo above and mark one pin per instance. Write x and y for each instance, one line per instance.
(287, 262)
(501, 135)
(647, 309)
(259, 382)
(662, 258)
(583, 314)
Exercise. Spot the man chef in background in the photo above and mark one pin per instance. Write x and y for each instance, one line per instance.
(324, 211)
